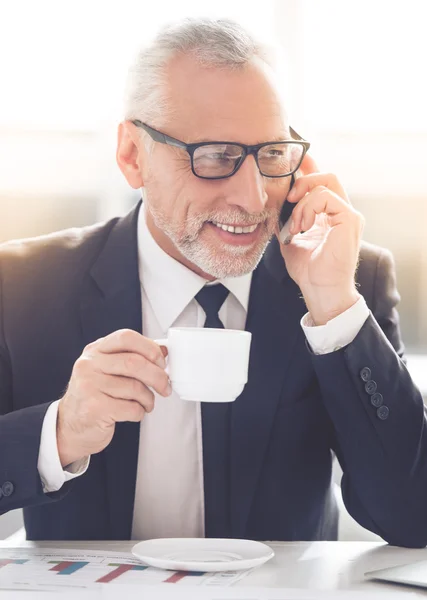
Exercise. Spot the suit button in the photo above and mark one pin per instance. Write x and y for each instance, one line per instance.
(365, 374)
(377, 400)
(383, 412)
(371, 387)
(7, 488)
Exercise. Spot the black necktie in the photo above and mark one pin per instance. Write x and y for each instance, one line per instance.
(211, 298)
(216, 434)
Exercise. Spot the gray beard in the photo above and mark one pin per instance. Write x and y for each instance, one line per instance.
(231, 261)
(234, 261)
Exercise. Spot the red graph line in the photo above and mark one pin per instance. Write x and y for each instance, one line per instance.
(176, 577)
(181, 574)
(114, 574)
(6, 561)
(62, 565)
(12, 561)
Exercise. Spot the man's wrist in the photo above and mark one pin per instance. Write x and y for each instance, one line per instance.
(324, 304)
(66, 455)
(66, 451)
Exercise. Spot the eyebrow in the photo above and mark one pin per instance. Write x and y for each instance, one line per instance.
(283, 138)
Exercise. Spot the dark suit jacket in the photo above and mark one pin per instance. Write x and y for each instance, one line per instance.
(62, 291)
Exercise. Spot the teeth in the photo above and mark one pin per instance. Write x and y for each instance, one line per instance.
(232, 229)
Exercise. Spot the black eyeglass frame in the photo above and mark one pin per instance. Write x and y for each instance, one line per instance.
(162, 138)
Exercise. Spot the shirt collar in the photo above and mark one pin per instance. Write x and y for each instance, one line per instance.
(240, 287)
(169, 285)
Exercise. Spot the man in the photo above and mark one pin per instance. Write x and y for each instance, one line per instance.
(94, 442)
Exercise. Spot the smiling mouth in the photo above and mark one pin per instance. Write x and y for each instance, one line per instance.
(236, 235)
(235, 228)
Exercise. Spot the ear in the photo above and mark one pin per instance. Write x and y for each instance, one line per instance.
(130, 154)
(308, 165)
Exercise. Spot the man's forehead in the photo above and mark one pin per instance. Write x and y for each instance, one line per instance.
(215, 104)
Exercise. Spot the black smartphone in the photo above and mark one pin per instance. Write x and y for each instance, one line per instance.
(285, 214)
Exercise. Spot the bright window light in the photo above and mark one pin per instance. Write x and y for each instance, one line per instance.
(63, 64)
(363, 65)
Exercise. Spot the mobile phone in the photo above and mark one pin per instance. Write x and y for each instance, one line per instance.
(285, 213)
(285, 216)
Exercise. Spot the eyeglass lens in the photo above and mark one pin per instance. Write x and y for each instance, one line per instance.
(274, 160)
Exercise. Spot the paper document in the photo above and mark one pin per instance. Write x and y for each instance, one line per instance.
(50, 569)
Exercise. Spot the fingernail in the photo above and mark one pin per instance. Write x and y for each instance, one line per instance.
(292, 226)
(292, 193)
(169, 389)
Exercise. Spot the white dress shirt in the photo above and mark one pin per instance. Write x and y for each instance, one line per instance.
(169, 499)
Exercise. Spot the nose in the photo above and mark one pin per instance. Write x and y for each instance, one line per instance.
(248, 190)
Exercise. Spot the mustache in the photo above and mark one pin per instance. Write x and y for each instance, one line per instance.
(194, 224)
(234, 215)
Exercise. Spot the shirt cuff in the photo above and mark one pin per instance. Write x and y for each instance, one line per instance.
(337, 332)
(52, 475)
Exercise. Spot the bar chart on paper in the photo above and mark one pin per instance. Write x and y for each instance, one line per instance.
(47, 569)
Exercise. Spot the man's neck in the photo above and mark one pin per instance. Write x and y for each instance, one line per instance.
(167, 246)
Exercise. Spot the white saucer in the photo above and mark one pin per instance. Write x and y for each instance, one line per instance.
(202, 554)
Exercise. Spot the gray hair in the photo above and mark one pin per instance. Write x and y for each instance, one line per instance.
(221, 43)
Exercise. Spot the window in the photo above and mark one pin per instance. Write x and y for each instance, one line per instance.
(64, 64)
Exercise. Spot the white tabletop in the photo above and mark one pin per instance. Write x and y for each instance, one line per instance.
(417, 366)
(304, 565)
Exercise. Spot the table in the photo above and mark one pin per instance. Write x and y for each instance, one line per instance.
(417, 367)
(305, 565)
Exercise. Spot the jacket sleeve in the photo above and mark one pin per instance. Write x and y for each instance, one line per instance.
(20, 431)
(379, 422)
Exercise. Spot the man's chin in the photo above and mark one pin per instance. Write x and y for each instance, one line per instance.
(227, 262)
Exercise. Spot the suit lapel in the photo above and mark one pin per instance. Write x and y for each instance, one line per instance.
(113, 301)
(275, 310)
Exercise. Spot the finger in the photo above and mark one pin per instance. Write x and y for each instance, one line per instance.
(320, 200)
(304, 185)
(127, 340)
(134, 366)
(125, 410)
(125, 388)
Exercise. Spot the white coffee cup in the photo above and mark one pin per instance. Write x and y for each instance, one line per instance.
(207, 365)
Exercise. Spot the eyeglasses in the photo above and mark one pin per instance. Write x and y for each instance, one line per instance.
(219, 160)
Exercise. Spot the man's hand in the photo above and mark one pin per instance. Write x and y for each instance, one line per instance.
(110, 383)
(323, 260)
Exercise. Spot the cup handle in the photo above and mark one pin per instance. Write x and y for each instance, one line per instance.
(164, 342)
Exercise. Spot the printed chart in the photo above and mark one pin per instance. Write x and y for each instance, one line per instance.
(34, 569)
